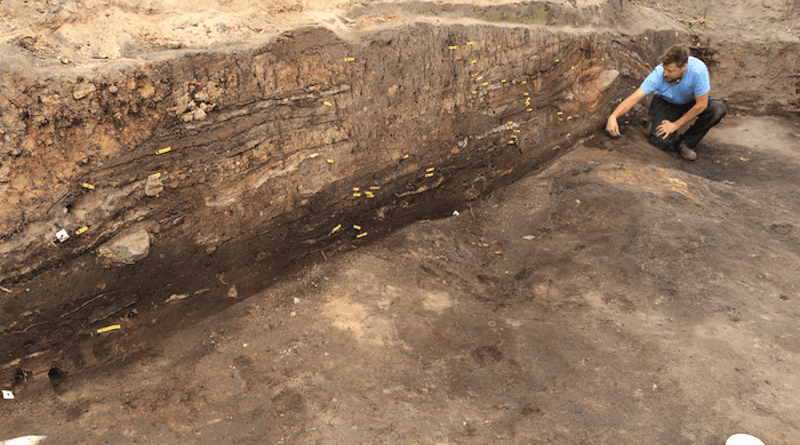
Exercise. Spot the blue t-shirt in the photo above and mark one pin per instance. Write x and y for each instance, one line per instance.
(695, 82)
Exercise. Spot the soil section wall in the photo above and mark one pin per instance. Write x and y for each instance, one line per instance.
(275, 134)
(312, 143)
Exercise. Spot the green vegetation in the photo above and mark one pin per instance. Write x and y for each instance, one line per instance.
(699, 24)
(771, 38)
(496, 17)
(415, 7)
(121, 252)
(540, 15)
(522, 13)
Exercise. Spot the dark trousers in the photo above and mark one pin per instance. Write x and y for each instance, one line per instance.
(661, 110)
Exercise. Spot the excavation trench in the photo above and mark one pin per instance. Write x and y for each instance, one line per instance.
(278, 156)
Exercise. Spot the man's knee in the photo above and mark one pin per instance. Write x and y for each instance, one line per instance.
(661, 143)
(718, 108)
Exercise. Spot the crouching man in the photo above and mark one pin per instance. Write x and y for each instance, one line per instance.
(681, 84)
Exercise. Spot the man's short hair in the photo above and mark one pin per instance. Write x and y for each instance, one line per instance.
(677, 54)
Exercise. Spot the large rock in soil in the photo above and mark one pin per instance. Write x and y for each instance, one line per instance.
(128, 247)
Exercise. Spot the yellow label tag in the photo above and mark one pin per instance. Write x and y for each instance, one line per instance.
(328, 103)
(503, 81)
(524, 94)
(361, 235)
(560, 113)
(336, 228)
(453, 47)
(330, 161)
(88, 186)
(108, 328)
(474, 61)
(470, 43)
(556, 60)
(349, 59)
(357, 194)
(530, 109)
(375, 187)
(369, 194)
(155, 175)
(485, 83)
(355, 189)
(81, 230)
(428, 175)
(357, 227)
(163, 150)
(405, 157)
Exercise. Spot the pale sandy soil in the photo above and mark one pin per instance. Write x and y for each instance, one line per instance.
(100, 29)
(81, 31)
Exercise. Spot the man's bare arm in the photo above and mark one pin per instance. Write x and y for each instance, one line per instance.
(612, 126)
(701, 103)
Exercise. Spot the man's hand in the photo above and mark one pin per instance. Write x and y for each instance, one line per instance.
(612, 127)
(665, 129)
